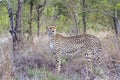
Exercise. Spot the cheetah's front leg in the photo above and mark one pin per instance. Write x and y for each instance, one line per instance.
(57, 63)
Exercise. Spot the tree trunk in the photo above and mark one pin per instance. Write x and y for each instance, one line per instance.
(39, 8)
(13, 35)
(18, 25)
(31, 20)
(115, 21)
(73, 14)
(84, 16)
(116, 26)
(75, 21)
(15, 32)
(12, 31)
(38, 22)
(38, 19)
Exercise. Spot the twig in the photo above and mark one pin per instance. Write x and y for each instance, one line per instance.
(4, 4)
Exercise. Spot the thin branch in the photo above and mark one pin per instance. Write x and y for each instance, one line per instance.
(4, 4)
(42, 4)
(41, 10)
(105, 13)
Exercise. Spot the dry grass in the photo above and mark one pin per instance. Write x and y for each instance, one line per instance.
(37, 62)
(5, 62)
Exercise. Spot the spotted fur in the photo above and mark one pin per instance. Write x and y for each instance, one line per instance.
(86, 44)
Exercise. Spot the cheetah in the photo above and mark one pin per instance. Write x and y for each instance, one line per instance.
(85, 43)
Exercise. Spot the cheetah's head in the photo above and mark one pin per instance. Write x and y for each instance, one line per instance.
(51, 30)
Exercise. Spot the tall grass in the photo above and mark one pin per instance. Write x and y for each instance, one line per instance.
(37, 62)
(5, 62)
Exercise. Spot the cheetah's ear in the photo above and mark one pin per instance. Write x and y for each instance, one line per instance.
(55, 26)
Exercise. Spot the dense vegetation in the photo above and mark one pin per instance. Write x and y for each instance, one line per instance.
(25, 52)
(65, 14)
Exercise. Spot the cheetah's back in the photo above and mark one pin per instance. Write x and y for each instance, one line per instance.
(79, 43)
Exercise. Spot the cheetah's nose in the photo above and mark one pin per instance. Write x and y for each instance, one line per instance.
(52, 31)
